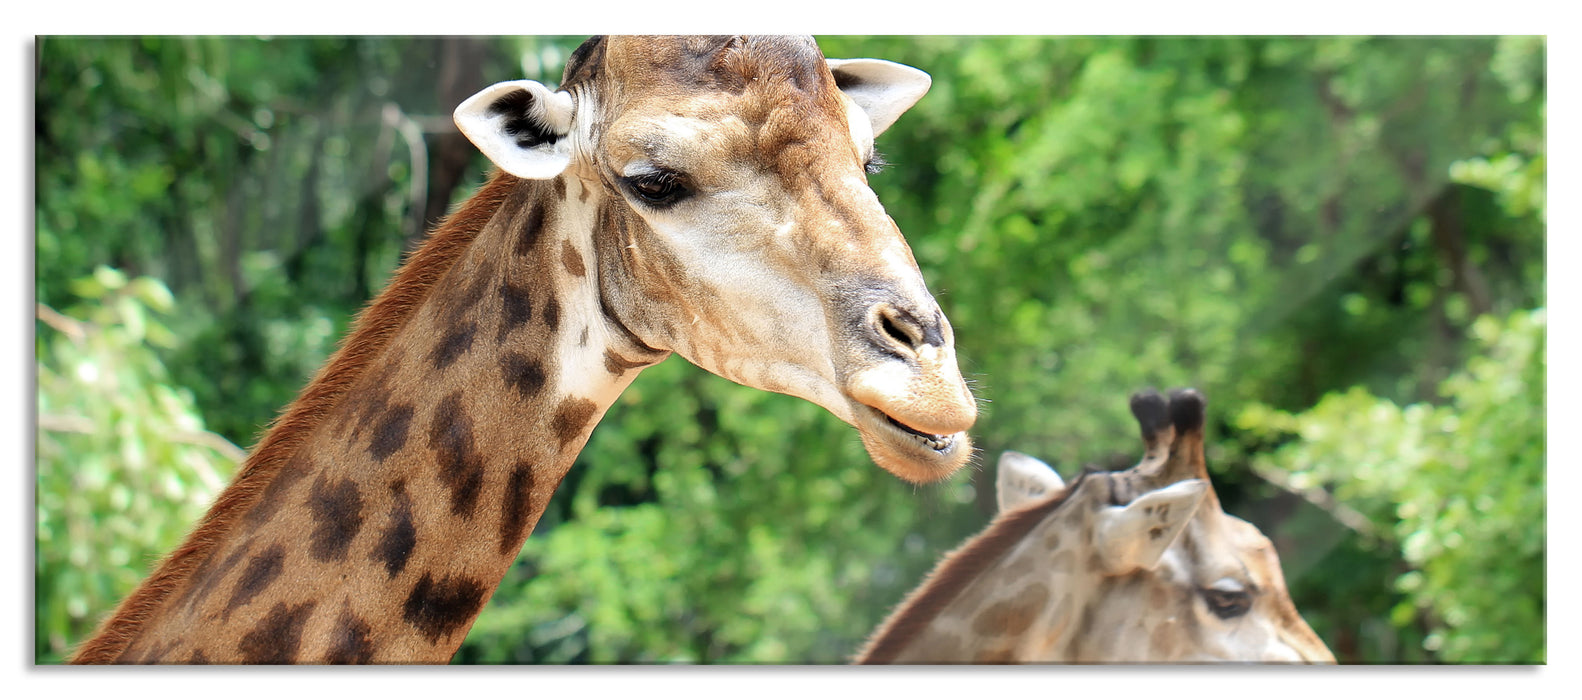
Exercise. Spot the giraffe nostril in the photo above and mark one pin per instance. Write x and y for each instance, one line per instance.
(888, 325)
(902, 331)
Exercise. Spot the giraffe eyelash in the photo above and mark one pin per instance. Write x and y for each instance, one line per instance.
(658, 189)
(875, 164)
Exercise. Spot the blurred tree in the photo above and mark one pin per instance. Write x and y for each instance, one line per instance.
(1457, 489)
(273, 182)
(125, 466)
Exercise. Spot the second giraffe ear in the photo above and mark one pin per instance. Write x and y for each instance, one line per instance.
(1136, 535)
(882, 89)
(521, 126)
(1023, 479)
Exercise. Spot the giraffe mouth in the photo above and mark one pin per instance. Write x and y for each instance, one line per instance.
(913, 455)
(938, 443)
(913, 415)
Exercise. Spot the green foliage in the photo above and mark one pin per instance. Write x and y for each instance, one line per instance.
(267, 181)
(1514, 168)
(1272, 220)
(1458, 489)
(125, 466)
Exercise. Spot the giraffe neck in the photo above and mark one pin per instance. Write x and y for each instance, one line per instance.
(1023, 607)
(1012, 593)
(387, 521)
(1031, 589)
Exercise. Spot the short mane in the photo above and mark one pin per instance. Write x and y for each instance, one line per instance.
(954, 573)
(371, 331)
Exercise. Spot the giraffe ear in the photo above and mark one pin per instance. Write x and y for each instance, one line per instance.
(1023, 479)
(1136, 535)
(521, 126)
(881, 88)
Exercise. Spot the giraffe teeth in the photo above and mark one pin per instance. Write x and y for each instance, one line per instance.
(937, 443)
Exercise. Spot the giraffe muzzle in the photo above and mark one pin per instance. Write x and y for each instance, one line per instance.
(908, 453)
(911, 406)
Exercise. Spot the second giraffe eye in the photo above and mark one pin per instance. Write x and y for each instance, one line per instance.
(658, 189)
(1227, 599)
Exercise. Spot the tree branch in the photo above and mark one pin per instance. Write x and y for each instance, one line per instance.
(57, 423)
(76, 330)
(1321, 499)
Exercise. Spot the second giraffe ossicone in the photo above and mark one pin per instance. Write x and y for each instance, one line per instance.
(705, 196)
(1135, 566)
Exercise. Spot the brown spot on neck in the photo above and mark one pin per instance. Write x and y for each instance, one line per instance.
(517, 508)
(1009, 618)
(572, 259)
(539, 216)
(209, 575)
(391, 432)
(524, 374)
(516, 309)
(261, 571)
(276, 492)
(399, 539)
(337, 510)
(438, 608)
(461, 465)
(453, 344)
(571, 417)
(352, 642)
(473, 284)
(551, 314)
(276, 638)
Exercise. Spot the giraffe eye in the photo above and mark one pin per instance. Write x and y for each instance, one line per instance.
(658, 189)
(1227, 599)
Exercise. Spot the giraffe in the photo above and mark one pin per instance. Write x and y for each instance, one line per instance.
(1136, 566)
(703, 196)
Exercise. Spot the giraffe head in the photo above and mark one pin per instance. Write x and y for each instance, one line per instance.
(1159, 573)
(1136, 566)
(726, 181)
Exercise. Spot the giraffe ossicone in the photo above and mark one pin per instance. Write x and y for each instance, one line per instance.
(705, 196)
(1135, 566)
